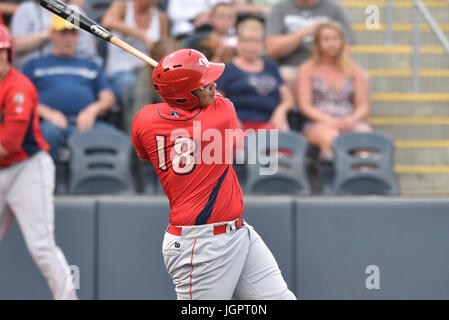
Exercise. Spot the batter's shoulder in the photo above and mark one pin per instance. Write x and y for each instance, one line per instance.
(148, 111)
(146, 116)
(225, 106)
(222, 101)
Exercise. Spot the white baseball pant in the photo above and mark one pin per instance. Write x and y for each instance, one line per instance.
(26, 193)
(236, 264)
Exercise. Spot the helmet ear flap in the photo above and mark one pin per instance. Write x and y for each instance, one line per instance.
(188, 102)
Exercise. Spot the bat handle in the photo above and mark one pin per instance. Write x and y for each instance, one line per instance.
(122, 44)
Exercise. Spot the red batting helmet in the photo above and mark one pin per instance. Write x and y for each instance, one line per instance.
(181, 72)
(6, 41)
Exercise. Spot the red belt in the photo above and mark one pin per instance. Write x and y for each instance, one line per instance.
(218, 229)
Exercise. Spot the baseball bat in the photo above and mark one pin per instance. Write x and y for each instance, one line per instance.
(83, 22)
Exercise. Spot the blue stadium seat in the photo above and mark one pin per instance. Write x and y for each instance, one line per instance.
(289, 176)
(364, 164)
(101, 163)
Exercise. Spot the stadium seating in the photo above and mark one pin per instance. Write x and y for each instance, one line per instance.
(411, 111)
(364, 164)
(288, 175)
(101, 163)
(150, 181)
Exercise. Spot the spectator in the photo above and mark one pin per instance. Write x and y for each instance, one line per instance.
(30, 28)
(218, 44)
(333, 91)
(187, 16)
(73, 91)
(27, 174)
(144, 92)
(253, 8)
(290, 26)
(7, 9)
(223, 18)
(140, 23)
(253, 84)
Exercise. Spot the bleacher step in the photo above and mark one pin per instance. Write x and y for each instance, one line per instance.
(410, 108)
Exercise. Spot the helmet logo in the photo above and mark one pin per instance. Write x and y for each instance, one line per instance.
(203, 61)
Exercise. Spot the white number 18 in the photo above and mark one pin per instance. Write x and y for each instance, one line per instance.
(183, 161)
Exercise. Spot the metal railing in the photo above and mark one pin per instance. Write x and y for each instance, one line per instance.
(389, 22)
(421, 11)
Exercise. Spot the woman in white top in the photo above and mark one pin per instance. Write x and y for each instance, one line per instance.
(140, 23)
(186, 16)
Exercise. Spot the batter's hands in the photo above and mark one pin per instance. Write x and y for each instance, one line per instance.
(86, 118)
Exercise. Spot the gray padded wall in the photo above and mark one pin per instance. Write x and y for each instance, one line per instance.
(407, 239)
(323, 247)
(131, 265)
(273, 220)
(20, 278)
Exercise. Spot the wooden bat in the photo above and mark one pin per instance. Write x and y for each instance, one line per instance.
(83, 22)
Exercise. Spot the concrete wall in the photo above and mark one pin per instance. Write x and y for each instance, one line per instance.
(326, 248)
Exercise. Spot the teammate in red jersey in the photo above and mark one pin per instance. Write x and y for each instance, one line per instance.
(27, 173)
(209, 250)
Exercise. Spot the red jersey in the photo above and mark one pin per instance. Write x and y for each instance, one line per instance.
(20, 133)
(192, 155)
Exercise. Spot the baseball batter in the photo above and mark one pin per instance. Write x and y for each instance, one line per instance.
(209, 250)
(27, 173)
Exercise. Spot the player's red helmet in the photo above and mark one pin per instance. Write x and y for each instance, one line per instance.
(181, 72)
(6, 41)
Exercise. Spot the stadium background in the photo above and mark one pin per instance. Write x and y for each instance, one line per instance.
(323, 244)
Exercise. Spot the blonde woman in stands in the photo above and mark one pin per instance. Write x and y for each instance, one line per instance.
(333, 91)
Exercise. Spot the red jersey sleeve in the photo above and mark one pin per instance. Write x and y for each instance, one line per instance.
(19, 104)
